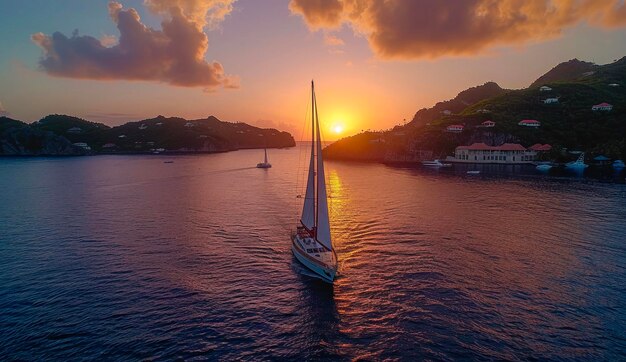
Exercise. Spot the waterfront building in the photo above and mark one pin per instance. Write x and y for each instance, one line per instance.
(508, 153)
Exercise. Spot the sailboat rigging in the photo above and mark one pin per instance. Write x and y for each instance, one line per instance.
(311, 242)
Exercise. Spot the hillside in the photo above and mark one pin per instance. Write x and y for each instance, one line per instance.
(457, 104)
(567, 71)
(58, 134)
(569, 124)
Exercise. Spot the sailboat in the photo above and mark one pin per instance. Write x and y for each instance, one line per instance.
(264, 164)
(577, 165)
(311, 242)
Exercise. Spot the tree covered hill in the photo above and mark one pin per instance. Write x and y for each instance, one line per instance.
(59, 134)
(568, 123)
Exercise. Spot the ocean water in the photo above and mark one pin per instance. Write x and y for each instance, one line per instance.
(131, 258)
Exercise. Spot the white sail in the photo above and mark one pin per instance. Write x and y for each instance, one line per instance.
(266, 155)
(308, 210)
(323, 223)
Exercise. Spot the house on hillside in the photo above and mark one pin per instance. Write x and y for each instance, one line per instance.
(602, 107)
(545, 88)
(455, 128)
(447, 112)
(143, 126)
(507, 153)
(75, 130)
(487, 124)
(530, 123)
(550, 101)
(189, 124)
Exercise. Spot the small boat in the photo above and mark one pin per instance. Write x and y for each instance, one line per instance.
(435, 163)
(544, 167)
(473, 172)
(264, 164)
(618, 164)
(577, 165)
(311, 243)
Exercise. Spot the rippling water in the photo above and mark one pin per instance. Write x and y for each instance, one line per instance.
(132, 258)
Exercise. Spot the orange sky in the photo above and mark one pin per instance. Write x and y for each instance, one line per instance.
(252, 61)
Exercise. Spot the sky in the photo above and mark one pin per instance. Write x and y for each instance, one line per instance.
(374, 62)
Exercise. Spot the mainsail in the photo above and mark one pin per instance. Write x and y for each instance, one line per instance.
(315, 210)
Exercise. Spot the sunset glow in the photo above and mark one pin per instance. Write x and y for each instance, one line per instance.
(375, 77)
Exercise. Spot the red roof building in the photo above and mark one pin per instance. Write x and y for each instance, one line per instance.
(540, 148)
(529, 123)
(602, 107)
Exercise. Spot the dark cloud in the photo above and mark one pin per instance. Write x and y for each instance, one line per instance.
(174, 54)
(429, 29)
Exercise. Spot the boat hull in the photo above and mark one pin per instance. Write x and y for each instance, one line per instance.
(324, 272)
(263, 165)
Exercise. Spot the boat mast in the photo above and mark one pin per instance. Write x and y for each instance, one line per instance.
(313, 115)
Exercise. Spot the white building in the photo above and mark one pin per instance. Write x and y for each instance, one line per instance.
(143, 126)
(508, 153)
(82, 145)
(603, 107)
(455, 128)
(550, 100)
(613, 85)
(189, 124)
(488, 124)
(530, 123)
(447, 112)
(75, 130)
(545, 88)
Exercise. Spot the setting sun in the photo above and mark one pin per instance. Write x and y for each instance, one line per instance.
(338, 128)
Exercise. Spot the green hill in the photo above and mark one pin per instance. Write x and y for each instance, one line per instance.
(55, 135)
(570, 123)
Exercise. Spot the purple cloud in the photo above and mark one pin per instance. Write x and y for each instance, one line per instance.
(173, 55)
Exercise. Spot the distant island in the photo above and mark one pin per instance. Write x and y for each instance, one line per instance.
(575, 107)
(62, 135)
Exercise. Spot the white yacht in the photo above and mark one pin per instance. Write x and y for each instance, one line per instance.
(435, 163)
(311, 242)
(544, 166)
